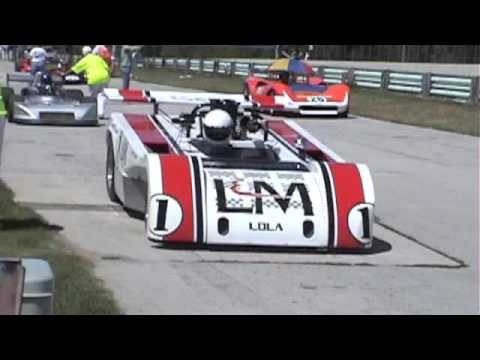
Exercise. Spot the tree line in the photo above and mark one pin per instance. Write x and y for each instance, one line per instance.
(463, 54)
(468, 54)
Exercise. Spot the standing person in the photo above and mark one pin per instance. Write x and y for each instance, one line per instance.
(98, 77)
(105, 54)
(38, 57)
(126, 67)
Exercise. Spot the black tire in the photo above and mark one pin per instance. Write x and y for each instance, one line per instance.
(110, 172)
(345, 114)
(246, 92)
(9, 101)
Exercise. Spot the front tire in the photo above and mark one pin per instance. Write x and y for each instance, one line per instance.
(110, 172)
(246, 93)
(345, 114)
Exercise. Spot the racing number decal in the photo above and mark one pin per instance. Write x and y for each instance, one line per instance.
(166, 214)
(366, 222)
(360, 222)
(161, 215)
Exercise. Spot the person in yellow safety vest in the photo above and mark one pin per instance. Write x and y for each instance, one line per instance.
(97, 73)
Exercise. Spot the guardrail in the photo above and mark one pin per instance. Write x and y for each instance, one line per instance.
(461, 89)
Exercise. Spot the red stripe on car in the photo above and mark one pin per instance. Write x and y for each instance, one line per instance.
(178, 183)
(291, 136)
(148, 132)
(349, 193)
(134, 95)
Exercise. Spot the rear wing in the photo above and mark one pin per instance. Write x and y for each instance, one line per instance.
(70, 79)
(20, 78)
(171, 97)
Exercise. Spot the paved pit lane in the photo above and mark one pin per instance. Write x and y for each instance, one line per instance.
(425, 259)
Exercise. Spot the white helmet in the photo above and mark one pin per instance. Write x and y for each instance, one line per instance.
(218, 126)
(86, 50)
(98, 49)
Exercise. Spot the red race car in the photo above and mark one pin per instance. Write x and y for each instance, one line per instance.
(292, 88)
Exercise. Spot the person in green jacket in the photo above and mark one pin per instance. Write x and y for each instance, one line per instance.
(97, 72)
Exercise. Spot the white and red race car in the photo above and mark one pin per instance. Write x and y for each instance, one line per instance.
(269, 183)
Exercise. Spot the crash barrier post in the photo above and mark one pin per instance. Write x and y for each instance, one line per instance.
(349, 77)
(251, 69)
(200, 66)
(385, 80)
(475, 96)
(427, 84)
(12, 276)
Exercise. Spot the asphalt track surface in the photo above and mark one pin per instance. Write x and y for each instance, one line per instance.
(425, 259)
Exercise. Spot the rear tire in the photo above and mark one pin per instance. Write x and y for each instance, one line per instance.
(110, 172)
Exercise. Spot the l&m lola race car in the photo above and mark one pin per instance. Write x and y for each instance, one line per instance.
(46, 101)
(224, 174)
(292, 88)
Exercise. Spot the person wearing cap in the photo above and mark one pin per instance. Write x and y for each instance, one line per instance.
(98, 76)
(105, 54)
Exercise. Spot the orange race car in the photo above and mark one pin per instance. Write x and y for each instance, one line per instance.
(292, 88)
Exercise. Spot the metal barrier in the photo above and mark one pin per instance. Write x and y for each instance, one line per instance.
(463, 89)
(405, 82)
(368, 79)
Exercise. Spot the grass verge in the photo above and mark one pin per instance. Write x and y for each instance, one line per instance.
(24, 233)
(399, 108)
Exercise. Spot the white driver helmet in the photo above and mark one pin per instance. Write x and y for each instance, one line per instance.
(218, 125)
(86, 50)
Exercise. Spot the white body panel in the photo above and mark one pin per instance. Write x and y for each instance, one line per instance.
(269, 224)
(312, 107)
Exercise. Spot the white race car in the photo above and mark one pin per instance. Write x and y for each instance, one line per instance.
(225, 175)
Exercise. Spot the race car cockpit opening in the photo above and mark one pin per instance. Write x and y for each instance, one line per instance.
(224, 132)
(223, 120)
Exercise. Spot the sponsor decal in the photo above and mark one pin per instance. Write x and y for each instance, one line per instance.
(317, 99)
(265, 227)
(360, 223)
(262, 190)
(166, 214)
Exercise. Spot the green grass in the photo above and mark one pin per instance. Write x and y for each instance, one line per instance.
(400, 108)
(24, 233)
(3, 112)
